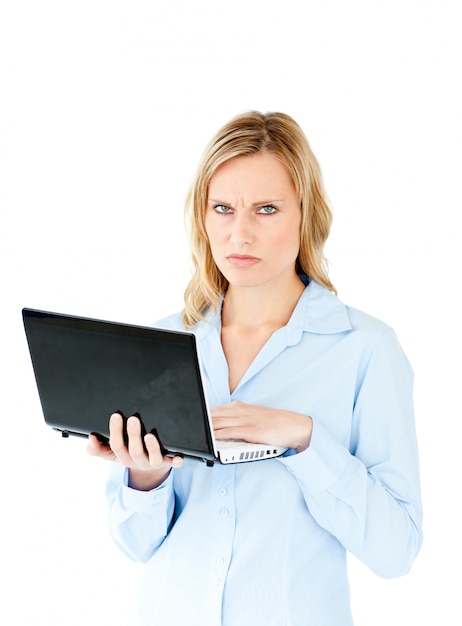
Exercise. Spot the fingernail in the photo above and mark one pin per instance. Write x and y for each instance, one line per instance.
(149, 440)
(130, 423)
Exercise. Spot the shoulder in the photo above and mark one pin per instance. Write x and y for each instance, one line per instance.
(325, 313)
(356, 332)
(172, 322)
(201, 329)
(364, 322)
(175, 322)
(357, 338)
(374, 338)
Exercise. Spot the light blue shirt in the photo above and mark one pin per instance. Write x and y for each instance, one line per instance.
(265, 542)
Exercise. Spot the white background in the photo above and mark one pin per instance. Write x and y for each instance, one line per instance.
(105, 107)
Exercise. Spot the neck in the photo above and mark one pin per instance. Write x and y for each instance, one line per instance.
(266, 305)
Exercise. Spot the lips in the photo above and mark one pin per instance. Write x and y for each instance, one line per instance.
(242, 260)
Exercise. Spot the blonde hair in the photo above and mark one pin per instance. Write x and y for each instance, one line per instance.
(248, 134)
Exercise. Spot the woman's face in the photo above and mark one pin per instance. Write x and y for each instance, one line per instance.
(253, 221)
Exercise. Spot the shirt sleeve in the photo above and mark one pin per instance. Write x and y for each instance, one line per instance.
(138, 520)
(368, 494)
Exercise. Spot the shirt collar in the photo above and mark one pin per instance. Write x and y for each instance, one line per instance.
(321, 311)
(318, 311)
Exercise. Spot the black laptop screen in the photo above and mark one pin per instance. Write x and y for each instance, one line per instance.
(87, 369)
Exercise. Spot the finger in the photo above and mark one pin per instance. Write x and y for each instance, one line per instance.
(156, 459)
(116, 439)
(135, 443)
(116, 435)
(228, 423)
(154, 452)
(177, 461)
(96, 448)
(93, 446)
(243, 429)
(224, 410)
(225, 422)
(236, 433)
(236, 407)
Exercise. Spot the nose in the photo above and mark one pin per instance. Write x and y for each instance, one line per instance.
(242, 230)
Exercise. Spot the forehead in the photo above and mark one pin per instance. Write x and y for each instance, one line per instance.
(259, 174)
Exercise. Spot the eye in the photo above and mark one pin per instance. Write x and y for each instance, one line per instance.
(222, 208)
(268, 209)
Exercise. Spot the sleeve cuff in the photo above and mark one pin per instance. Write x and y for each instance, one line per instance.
(321, 465)
(143, 501)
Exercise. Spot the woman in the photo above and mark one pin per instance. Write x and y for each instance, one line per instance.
(284, 362)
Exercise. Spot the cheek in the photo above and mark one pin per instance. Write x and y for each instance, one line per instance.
(209, 231)
(208, 228)
(288, 239)
(214, 235)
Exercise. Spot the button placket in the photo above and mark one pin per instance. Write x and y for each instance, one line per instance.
(223, 504)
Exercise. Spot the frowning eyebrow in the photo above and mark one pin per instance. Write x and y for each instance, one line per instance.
(253, 205)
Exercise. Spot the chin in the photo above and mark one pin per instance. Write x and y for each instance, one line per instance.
(248, 282)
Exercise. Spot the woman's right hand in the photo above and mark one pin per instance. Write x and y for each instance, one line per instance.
(147, 470)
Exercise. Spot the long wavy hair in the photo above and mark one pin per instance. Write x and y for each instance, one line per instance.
(247, 134)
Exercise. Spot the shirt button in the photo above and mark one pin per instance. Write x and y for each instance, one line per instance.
(222, 491)
(224, 512)
(215, 581)
(220, 560)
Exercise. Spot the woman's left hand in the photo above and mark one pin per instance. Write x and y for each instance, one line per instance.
(259, 424)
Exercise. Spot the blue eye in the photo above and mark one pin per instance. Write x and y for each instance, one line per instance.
(222, 208)
(268, 209)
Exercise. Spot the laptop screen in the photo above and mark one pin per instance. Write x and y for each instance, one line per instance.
(87, 369)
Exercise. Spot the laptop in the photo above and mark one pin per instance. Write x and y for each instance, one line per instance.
(86, 369)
